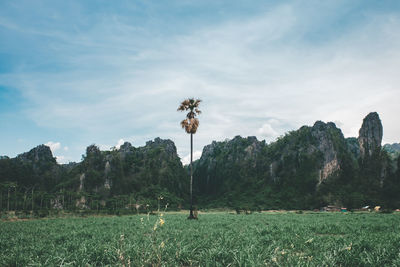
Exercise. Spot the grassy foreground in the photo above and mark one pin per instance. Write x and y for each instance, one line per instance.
(216, 239)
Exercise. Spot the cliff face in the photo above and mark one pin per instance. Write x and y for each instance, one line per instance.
(227, 164)
(36, 168)
(303, 168)
(141, 172)
(307, 168)
(329, 140)
(290, 168)
(40, 153)
(370, 135)
(144, 171)
(40, 158)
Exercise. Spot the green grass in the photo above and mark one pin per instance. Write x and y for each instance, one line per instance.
(216, 239)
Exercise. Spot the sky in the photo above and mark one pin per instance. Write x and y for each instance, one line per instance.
(76, 73)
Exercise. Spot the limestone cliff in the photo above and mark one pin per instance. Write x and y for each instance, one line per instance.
(328, 139)
(370, 135)
(38, 155)
(143, 171)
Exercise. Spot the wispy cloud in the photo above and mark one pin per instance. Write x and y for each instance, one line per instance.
(110, 74)
(196, 155)
(54, 146)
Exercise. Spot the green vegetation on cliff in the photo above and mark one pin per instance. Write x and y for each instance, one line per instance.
(305, 169)
(125, 178)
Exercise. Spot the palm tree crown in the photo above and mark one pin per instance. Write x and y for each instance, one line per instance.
(191, 123)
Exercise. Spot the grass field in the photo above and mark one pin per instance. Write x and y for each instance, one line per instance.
(216, 239)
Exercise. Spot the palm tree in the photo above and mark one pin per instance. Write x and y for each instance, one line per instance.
(190, 124)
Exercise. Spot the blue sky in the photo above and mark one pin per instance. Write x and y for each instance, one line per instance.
(74, 73)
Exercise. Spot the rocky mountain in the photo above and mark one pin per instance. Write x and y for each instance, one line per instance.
(305, 169)
(36, 168)
(141, 174)
(284, 173)
(38, 155)
(370, 135)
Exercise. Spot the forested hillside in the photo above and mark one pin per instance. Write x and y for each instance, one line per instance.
(127, 177)
(311, 167)
(308, 168)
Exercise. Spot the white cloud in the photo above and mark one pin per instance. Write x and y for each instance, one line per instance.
(110, 147)
(54, 146)
(66, 148)
(267, 131)
(119, 143)
(104, 147)
(196, 155)
(62, 159)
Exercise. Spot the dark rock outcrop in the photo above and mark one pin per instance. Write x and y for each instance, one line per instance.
(167, 145)
(144, 171)
(353, 146)
(392, 148)
(41, 153)
(370, 135)
(126, 148)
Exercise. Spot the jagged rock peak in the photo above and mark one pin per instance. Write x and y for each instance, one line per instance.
(92, 149)
(370, 135)
(38, 154)
(167, 143)
(208, 150)
(158, 141)
(247, 146)
(320, 125)
(252, 139)
(125, 147)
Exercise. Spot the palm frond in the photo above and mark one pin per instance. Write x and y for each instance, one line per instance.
(197, 103)
(194, 123)
(186, 102)
(190, 124)
(184, 123)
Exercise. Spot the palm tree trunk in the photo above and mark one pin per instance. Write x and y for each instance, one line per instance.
(191, 216)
